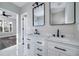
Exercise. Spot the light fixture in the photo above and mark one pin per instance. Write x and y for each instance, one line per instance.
(10, 22)
(0, 12)
(35, 4)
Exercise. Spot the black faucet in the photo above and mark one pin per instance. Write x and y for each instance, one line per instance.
(57, 32)
(36, 32)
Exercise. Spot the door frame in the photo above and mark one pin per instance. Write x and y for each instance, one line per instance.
(22, 41)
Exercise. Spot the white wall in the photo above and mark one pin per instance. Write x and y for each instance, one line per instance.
(70, 31)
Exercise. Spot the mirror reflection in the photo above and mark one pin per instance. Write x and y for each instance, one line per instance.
(61, 13)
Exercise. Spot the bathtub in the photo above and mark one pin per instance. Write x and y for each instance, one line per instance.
(10, 51)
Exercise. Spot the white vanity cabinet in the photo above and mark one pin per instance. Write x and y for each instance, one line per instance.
(61, 49)
(35, 46)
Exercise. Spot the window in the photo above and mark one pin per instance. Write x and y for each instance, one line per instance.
(1, 26)
(5, 26)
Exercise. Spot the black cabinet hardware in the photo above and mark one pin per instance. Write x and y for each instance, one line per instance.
(39, 49)
(28, 46)
(23, 43)
(39, 42)
(28, 39)
(39, 55)
(60, 48)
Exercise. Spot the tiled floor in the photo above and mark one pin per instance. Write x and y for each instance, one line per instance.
(7, 42)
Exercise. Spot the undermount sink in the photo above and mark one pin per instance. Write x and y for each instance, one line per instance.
(64, 40)
(36, 35)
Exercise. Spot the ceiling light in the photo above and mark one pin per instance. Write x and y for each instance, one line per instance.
(0, 12)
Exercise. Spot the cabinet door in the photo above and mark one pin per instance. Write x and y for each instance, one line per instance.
(53, 52)
(29, 49)
(29, 45)
(55, 49)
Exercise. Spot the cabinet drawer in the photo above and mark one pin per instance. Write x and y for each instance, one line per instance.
(40, 43)
(29, 40)
(39, 50)
(52, 52)
(37, 54)
(63, 48)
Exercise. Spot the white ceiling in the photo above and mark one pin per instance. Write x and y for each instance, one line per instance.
(19, 4)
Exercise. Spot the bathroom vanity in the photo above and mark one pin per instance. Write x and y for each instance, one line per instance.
(62, 47)
(37, 43)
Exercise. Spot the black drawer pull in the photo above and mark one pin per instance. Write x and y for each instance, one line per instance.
(60, 48)
(23, 41)
(39, 42)
(39, 55)
(28, 39)
(39, 49)
(28, 46)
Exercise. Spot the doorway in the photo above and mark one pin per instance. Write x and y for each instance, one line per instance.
(8, 32)
(24, 26)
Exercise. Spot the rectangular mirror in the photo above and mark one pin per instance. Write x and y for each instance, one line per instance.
(62, 13)
(39, 15)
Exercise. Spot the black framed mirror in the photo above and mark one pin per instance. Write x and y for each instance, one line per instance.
(39, 15)
(61, 13)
